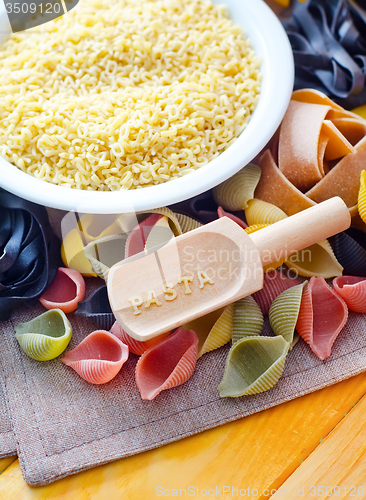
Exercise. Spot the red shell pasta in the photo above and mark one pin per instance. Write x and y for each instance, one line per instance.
(65, 292)
(168, 364)
(352, 289)
(322, 316)
(98, 358)
(136, 346)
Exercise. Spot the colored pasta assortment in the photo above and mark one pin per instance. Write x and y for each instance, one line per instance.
(295, 307)
(125, 94)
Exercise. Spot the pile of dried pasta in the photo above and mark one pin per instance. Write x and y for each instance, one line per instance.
(125, 93)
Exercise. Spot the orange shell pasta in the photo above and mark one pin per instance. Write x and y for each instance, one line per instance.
(352, 289)
(65, 292)
(168, 364)
(323, 314)
(98, 358)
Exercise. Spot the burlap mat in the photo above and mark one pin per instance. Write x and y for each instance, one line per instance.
(63, 425)
(7, 440)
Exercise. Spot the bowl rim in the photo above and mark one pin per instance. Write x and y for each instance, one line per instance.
(270, 42)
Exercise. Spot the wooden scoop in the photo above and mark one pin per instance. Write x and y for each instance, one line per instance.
(209, 267)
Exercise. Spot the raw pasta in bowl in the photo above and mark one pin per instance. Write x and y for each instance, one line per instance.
(117, 96)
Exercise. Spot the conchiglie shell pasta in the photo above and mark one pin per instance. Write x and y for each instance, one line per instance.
(274, 283)
(136, 240)
(45, 337)
(171, 216)
(350, 249)
(159, 234)
(104, 252)
(316, 260)
(135, 346)
(323, 314)
(253, 365)
(168, 364)
(352, 289)
(220, 333)
(89, 228)
(72, 254)
(362, 197)
(235, 193)
(98, 358)
(65, 292)
(262, 212)
(284, 312)
(221, 213)
(247, 319)
(97, 307)
(187, 223)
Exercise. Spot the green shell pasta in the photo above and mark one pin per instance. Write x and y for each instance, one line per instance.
(45, 337)
(235, 193)
(284, 312)
(247, 319)
(253, 365)
(220, 333)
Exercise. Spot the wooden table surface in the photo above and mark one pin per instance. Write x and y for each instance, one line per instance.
(313, 446)
(314, 441)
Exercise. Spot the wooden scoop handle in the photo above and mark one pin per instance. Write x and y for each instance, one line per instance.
(301, 230)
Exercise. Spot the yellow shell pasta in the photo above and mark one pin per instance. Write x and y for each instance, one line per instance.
(234, 193)
(262, 212)
(187, 223)
(316, 260)
(362, 197)
(220, 333)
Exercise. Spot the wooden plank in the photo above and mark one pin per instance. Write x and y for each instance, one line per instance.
(340, 461)
(5, 462)
(260, 451)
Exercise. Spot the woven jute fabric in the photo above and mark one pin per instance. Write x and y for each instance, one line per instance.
(63, 425)
(7, 439)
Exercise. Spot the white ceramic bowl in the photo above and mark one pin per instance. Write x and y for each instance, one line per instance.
(270, 42)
